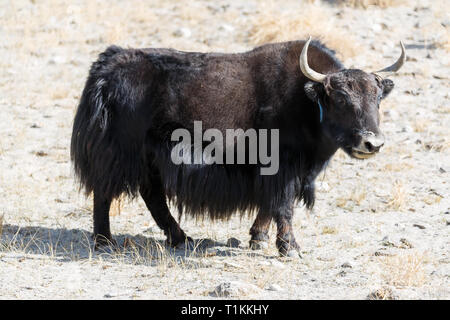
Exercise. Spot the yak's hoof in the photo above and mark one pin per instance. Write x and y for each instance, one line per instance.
(294, 253)
(288, 249)
(102, 242)
(186, 244)
(290, 253)
(258, 245)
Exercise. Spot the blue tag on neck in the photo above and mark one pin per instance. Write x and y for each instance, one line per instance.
(321, 110)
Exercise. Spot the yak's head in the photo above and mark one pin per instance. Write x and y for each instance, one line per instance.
(349, 102)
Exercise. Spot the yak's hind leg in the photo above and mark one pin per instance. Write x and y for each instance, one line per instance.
(102, 232)
(152, 191)
(259, 231)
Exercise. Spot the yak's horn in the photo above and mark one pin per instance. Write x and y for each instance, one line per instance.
(398, 64)
(307, 71)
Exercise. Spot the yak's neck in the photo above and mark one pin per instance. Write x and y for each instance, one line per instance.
(283, 104)
(305, 117)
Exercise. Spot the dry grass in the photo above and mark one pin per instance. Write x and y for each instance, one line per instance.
(407, 269)
(435, 30)
(329, 230)
(399, 196)
(147, 253)
(38, 37)
(372, 3)
(358, 195)
(421, 125)
(398, 166)
(431, 199)
(1, 224)
(273, 24)
(117, 205)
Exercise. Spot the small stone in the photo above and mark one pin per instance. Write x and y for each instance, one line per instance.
(382, 254)
(182, 32)
(233, 265)
(391, 114)
(277, 264)
(293, 254)
(226, 27)
(224, 290)
(41, 153)
(233, 243)
(407, 129)
(274, 287)
(385, 242)
(234, 289)
(405, 244)
(323, 187)
(346, 265)
(418, 226)
(57, 60)
(342, 274)
(382, 294)
(377, 27)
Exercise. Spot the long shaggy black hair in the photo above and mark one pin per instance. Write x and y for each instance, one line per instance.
(133, 100)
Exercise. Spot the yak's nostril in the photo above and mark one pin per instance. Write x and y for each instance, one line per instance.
(369, 146)
(370, 143)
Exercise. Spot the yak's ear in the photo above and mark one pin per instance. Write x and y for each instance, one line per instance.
(314, 90)
(388, 85)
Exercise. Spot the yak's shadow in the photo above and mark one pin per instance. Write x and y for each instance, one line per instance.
(75, 244)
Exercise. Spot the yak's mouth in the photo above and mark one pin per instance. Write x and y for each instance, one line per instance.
(358, 154)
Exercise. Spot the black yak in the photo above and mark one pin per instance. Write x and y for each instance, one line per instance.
(134, 99)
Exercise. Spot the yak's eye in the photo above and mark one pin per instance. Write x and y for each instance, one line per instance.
(340, 98)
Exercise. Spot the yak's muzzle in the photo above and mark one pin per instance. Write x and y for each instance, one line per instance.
(370, 144)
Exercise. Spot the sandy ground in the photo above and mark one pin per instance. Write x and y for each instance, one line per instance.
(380, 227)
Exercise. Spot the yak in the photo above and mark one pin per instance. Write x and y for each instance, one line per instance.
(134, 99)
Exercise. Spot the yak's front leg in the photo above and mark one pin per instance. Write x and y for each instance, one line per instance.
(259, 231)
(286, 244)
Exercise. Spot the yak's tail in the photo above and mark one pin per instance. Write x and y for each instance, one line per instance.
(105, 151)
